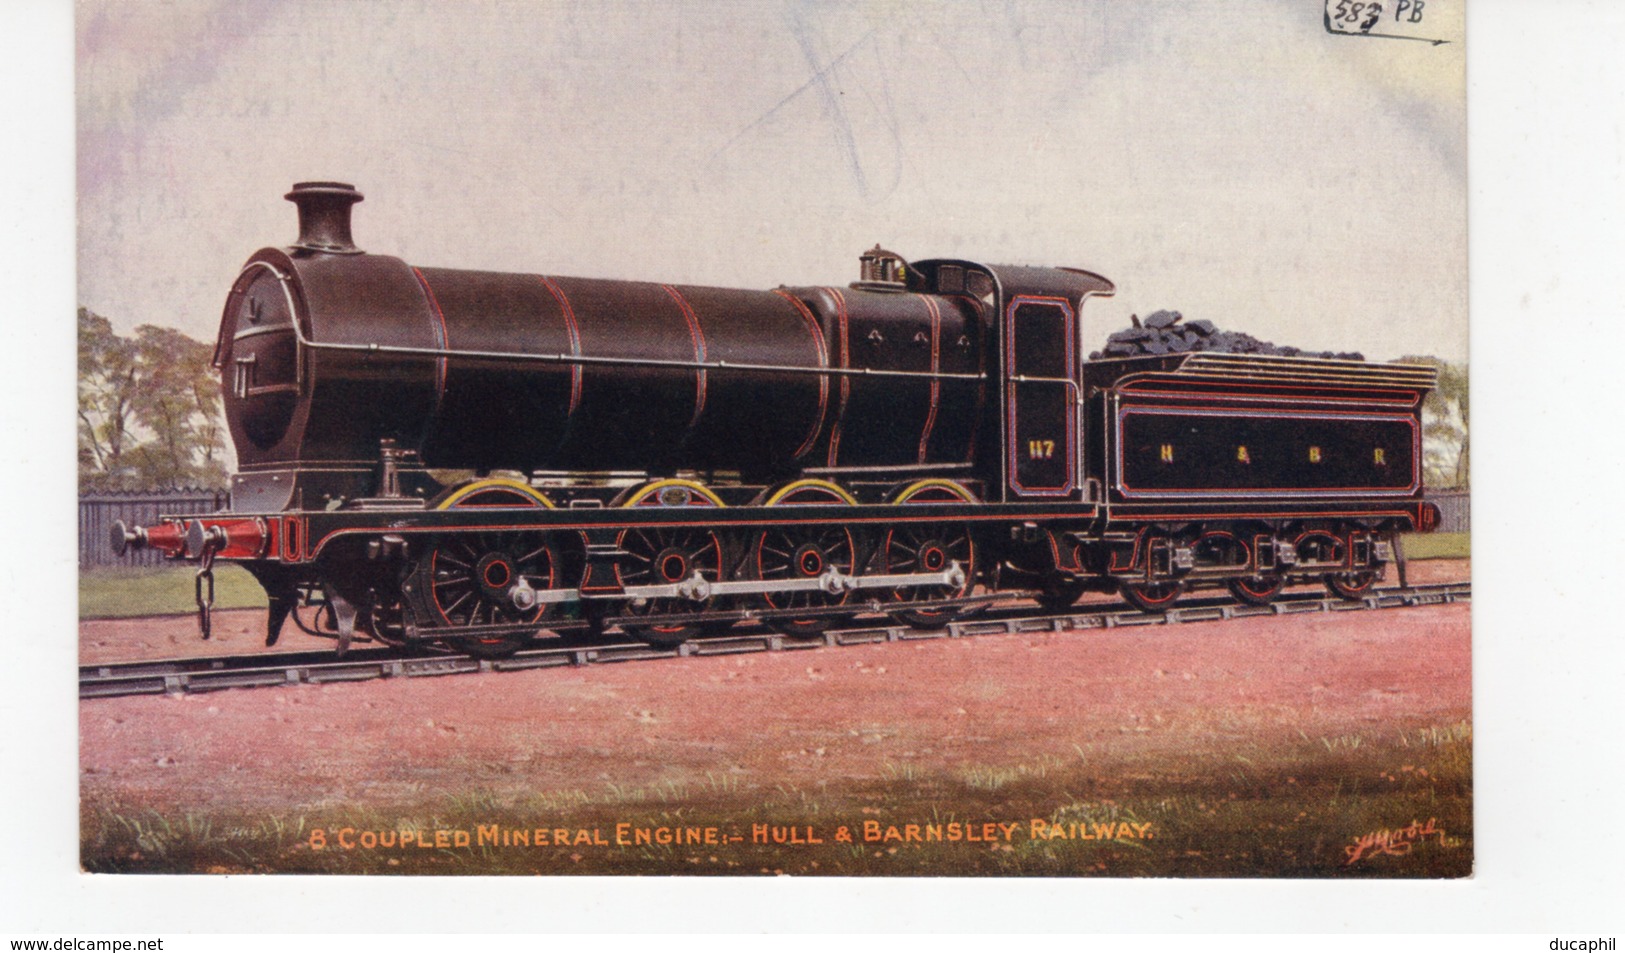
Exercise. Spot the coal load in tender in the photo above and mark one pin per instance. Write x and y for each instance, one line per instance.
(1162, 333)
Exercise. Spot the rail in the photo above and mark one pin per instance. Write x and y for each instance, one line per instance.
(184, 676)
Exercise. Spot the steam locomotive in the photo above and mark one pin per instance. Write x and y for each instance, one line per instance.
(473, 458)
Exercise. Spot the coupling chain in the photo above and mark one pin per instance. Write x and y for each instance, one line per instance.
(203, 585)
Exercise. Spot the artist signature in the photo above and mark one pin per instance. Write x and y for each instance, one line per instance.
(1397, 842)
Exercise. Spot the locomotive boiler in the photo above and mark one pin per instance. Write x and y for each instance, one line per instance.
(473, 458)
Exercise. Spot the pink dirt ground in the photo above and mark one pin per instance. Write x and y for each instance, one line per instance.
(1126, 699)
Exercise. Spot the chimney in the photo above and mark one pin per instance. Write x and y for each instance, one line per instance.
(324, 216)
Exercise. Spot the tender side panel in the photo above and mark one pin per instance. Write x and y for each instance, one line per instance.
(1229, 432)
(1188, 453)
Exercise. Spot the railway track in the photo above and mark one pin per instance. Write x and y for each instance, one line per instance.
(181, 676)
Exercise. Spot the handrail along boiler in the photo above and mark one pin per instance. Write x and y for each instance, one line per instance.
(472, 458)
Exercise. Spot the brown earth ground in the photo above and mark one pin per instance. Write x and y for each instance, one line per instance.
(1266, 746)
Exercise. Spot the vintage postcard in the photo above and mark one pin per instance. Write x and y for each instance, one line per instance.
(883, 439)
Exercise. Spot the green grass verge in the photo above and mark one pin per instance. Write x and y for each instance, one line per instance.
(1438, 546)
(1375, 804)
(166, 590)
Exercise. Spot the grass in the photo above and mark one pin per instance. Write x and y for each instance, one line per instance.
(1299, 808)
(1438, 546)
(166, 590)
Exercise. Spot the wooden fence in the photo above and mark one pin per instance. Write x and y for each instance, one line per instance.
(1455, 510)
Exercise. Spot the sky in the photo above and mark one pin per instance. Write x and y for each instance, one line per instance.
(1244, 167)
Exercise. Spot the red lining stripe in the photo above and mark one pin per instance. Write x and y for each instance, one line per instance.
(846, 382)
(1125, 411)
(823, 361)
(1074, 564)
(982, 518)
(1285, 395)
(981, 373)
(575, 340)
(1165, 515)
(857, 517)
(936, 385)
(698, 337)
(1133, 556)
(1070, 421)
(289, 543)
(445, 340)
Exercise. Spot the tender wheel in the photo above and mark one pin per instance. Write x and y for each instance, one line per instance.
(1152, 597)
(1256, 590)
(659, 557)
(1319, 547)
(1352, 586)
(1060, 595)
(470, 579)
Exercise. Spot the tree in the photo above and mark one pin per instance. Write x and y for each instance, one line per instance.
(107, 372)
(149, 409)
(1445, 425)
(174, 399)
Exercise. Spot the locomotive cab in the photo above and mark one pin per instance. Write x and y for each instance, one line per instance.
(1038, 370)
